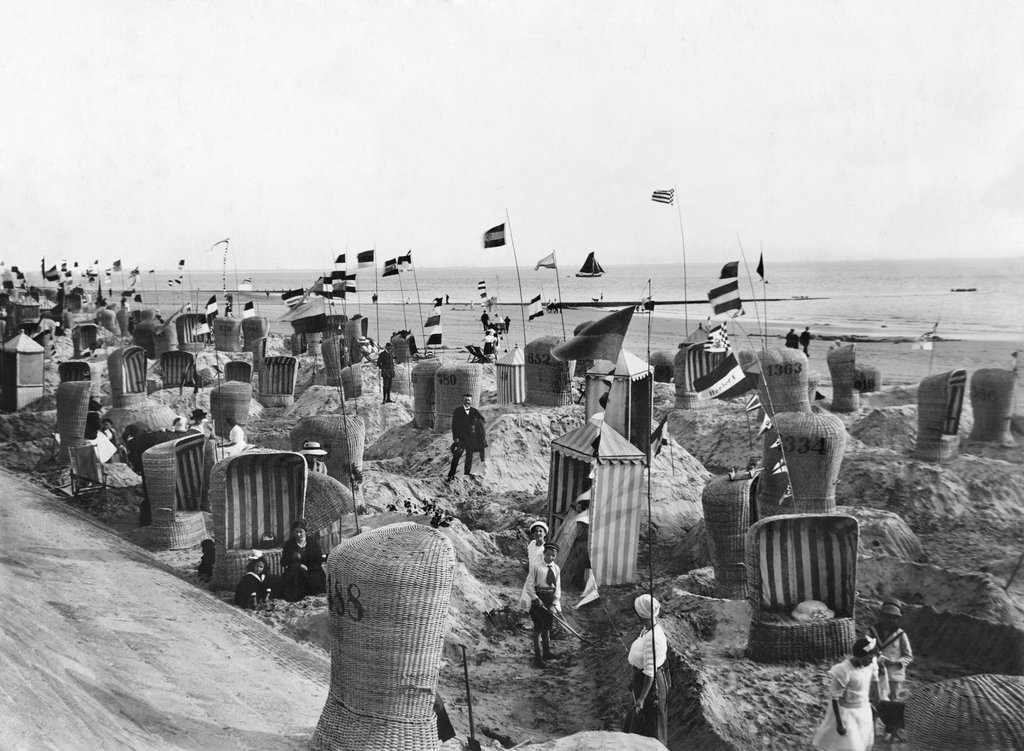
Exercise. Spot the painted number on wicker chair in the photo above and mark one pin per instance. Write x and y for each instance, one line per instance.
(345, 602)
(983, 395)
(447, 379)
(864, 384)
(803, 445)
(535, 358)
(789, 368)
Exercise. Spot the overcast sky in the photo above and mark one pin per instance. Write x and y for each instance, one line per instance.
(147, 131)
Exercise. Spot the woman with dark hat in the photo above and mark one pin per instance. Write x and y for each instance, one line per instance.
(651, 679)
(312, 560)
(848, 724)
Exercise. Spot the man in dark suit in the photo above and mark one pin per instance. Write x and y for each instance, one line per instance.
(386, 363)
(467, 435)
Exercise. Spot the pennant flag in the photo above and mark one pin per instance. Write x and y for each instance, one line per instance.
(718, 339)
(753, 403)
(117, 265)
(600, 340)
(481, 287)
(780, 467)
(726, 298)
(137, 298)
(211, 306)
(246, 285)
(151, 271)
(664, 196)
(340, 260)
(547, 262)
(777, 443)
(590, 592)
(365, 259)
(494, 237)
(658, 436)
(434, 332)
(292, 297)
(134, 272)
(724, 382)
(52, 275)
(760, 266)
(438, 302)
(390, 267)
(766, 425)
(731, 270)
(405, 260)
(535, 308)
(248, 310)
(181, 263)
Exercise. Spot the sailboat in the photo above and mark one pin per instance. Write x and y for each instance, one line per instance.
(590, 267)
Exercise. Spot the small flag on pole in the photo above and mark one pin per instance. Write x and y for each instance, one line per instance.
(292, 297)
(536, 311)
(434, 333)
(211, 306)
(438, 302)
(766, 425)
(664, 196)
(731, 270)
(658, 436)
(248, 310)
(390, 267)
(547, 262)
(494, 237)
(726, 298)
(365, 259)
(117, 265)
(718, 339)
(405, 260)
(724, 382)
(760, 266)
(481, 287)
(340, 260)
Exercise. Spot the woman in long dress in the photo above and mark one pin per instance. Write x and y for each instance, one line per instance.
(651, 679)
(848, 724)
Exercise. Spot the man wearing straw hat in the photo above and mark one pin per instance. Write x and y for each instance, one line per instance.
(314, 454)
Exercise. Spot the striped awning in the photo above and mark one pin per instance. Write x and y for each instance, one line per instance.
(515, 357)
(595, 441)
(632, 367)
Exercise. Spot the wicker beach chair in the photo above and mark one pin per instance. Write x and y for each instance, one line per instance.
(174, 475)
(277, 382)
(127, 369)
(88, 475)
(327, 500)
(794, 558)
(192, 331)
(352, 382)
(175, 366)
(663, 364)
(992, 391)
(726, 501)
(230, 399)
(335, 357)
(783, 386)
(144, 336)
(548, 381)
(343, 437)
(476, 355)
(226, 334)
(85, 338)
(423, 407)
(122, 317)
(693, 361)
(392, 587)
(940, 400)
(451, 382)
(72, 411)
(975, 713)
(74, 370)
(253, 328)
(842, 365)
(238, 370)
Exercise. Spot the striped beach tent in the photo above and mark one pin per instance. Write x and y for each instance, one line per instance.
(238, 370)
(595, 458)
(175, 365)
(630, 401)
(798, 557)
(127, 370)
(277, 382)
(510, 372)
(193, 329)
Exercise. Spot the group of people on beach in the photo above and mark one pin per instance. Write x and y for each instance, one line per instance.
(302, 564)
(799, 341)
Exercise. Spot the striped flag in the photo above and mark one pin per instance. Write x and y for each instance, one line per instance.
(664, 196)
(405, 260)
(433, 330)
(726, 298)
(350, 283)
(535, 309)
(248, 310)
(718, 339)
(547, 262)
(390, 267)
(724, 382)
(365, 259)
(494, 237)
(211, 306)
(292, 297)
(481, 287)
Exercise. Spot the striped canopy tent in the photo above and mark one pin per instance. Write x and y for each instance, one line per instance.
(595, 458)
(175, 366)
(254, 494)
(510, 372)
(597, 383)
(630, 400)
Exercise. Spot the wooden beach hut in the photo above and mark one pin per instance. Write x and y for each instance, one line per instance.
(630, 400)
(595, 458)
(940, 400)
(174, 473)
(511, 377)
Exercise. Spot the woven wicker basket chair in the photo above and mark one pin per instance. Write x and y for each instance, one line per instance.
(327, 500)
(253, 328)
(72, 409)
(74, 370)
(335, 356)
(664, 366)
(975, 713)
(342, 437)
(226, 334)
(106, 319)
(726, 501)
(389, 586)
(992, 401)
(148, 314)
(277, 382)
(335, 325)
(693, 361)
(451, 382)
(174, 473)
(165, 339)
(256, 493)
(548, 382)
(297, 344)
(230, 399)
(940, 400)
(352, 382)
(782, 386)
(314, 340)
(122, 316)
(191, 329)
(143, 336)
(73, 302)
(842, 366)
(867, 379)
(85, 337)
(258, 349)
(795, 558)
(423, 407)
(402, 382)
(238, 370)
(175, 366)
(400, 349)
(356, 329)
(813, 446)
(127, 372)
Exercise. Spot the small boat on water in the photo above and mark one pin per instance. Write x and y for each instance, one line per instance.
(964, 289)
(590, 267)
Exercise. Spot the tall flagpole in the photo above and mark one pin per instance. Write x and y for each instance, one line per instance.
(682, 241)
(753, 292)
(522, 310)
(401, 290)
(559, 283)
(764, 297)
(419, 306)
(376, 293)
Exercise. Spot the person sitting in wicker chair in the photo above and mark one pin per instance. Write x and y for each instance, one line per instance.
(311, 559)
(253, 589)
(236, 440)
(849, 724)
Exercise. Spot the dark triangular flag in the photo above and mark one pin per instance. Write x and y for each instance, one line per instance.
(600, 340)
(730, 270)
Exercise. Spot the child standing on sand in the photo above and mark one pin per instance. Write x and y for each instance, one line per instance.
(544, 587)
(894, 651)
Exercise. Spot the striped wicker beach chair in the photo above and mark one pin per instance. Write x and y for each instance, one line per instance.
(127, 368)
(174, 473)
(85, 337)
(277, 382)
(74, 370)
(256, 493)
(193, 330)
(693, 361)
(175, 366)
(238, 370)
(940, 400)
(794, 558)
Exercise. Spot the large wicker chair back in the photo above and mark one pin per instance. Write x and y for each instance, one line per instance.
(400, 349)
(867, 379)
(253, 328)
(127, 370)
(229, 399)
(74, 370)
(106, 319)
(548, 381)
(327, 500)
(277, 382)
(225, 334)
(812, 446)
(73, 302)
(72, 409)
(402, 382)
(726, 502)
(451, 382)
(693, 361)
(174, 476)
(165, 339)
(297, 344)
(175, 366)
(352, 382)
(795, 558)
(974, 713)
(123, 317)
(335, 355)
(355, 330)
(85, 337)
(940, 400)
(238, 370)
(663, 365)
(342, 437)
(191, 328)
(314, 340)
(992, 401)
(842, 366)
(148, 314)
(782, 386)
(389, 586)
(143, 336)
(423, 407)
(258, 349)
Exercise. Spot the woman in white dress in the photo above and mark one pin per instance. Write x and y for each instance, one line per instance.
(848, 724)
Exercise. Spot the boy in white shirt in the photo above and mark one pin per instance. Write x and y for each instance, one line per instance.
(544, 588)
